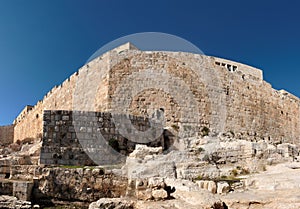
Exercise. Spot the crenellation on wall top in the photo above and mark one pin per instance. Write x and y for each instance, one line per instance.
(287, 94)
(23, 113)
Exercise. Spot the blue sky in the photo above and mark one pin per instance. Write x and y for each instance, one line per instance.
(42, 42)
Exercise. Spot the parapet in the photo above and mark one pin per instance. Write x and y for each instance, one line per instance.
(245, 70)
(23, 113)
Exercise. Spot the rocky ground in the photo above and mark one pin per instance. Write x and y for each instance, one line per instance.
(277, 187)
(200, 173)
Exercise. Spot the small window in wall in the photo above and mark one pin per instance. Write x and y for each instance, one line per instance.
(37, 116)
(229, 67)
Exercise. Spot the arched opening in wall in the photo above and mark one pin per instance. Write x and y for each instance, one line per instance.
(37, 116)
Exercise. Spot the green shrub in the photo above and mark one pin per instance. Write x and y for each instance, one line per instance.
(234, 172)
(205, 131)
(199, 178)
(200, 149)
(245, 171)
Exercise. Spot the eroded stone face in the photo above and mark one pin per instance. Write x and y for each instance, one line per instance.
(6, 135)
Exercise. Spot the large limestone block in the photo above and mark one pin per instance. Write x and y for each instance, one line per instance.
(159, 194)
(141, 151)
(116, 203)
(222, 187)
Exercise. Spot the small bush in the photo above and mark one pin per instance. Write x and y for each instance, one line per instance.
(204, 131)
(200, 149)
(245, 171)
(199, 178)
(234, 172)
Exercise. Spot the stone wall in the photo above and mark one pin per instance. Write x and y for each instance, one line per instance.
(231, 100)
(86, 138)
(195, 92)
(78, 184)
(29, 124)
(6, 135)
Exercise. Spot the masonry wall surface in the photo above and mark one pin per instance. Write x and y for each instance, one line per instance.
(238, 102)
(86, 138)
(232, 99)
(6, 135)
(80, 184)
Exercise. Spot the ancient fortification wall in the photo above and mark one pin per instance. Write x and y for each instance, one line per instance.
(6, 134)
(58, 98)
(218, 94)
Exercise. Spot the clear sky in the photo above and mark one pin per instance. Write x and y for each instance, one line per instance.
(42, 42)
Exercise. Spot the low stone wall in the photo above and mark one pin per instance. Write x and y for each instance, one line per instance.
(78, 184)
(6, 134)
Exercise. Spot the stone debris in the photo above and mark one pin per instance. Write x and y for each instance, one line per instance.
(159, 194)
